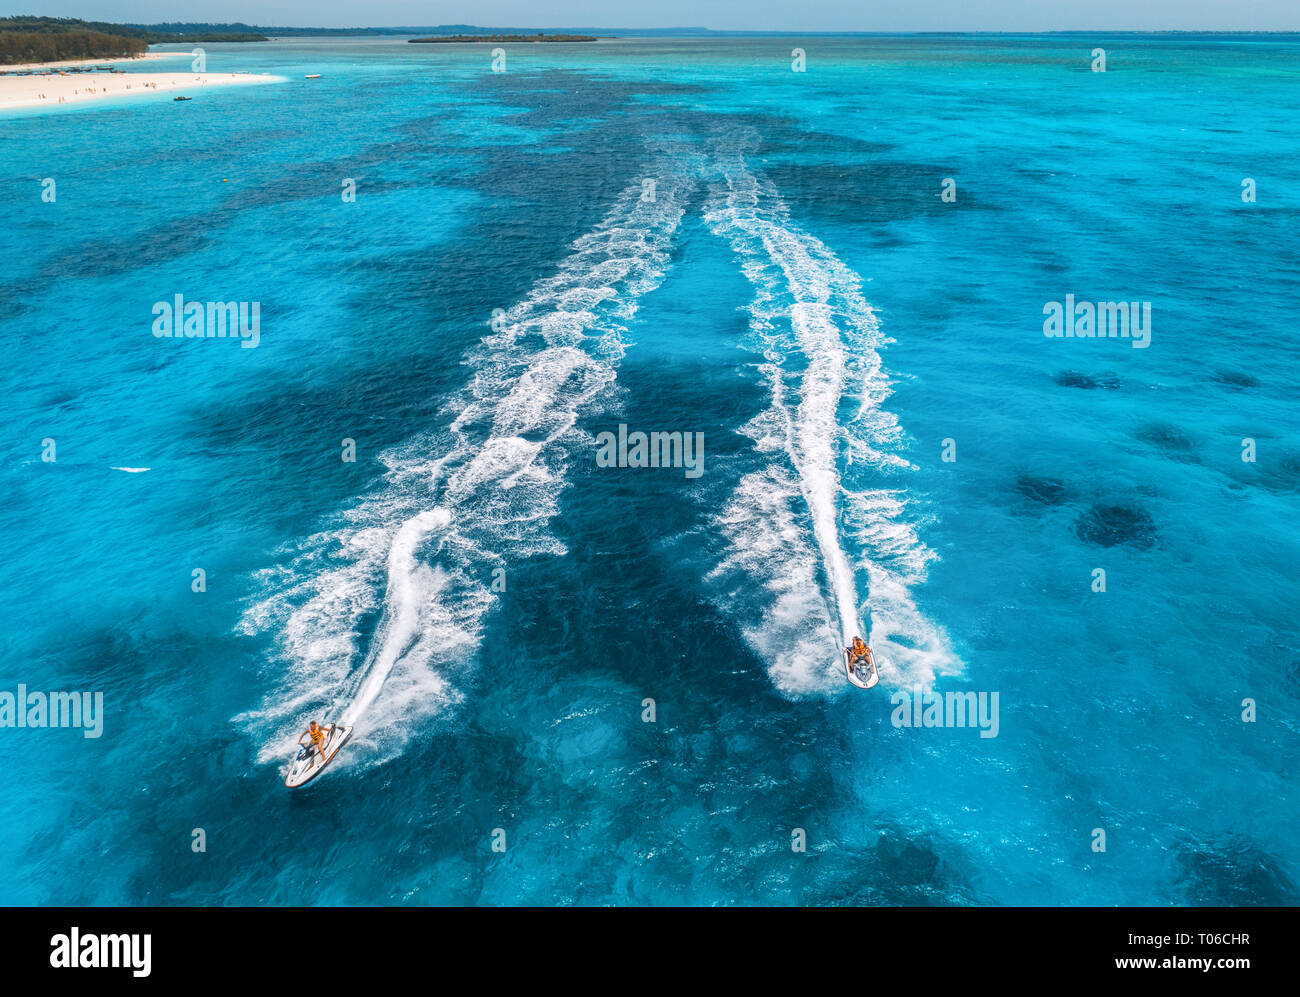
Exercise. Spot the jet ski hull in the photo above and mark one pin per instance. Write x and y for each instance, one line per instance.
(864, 676)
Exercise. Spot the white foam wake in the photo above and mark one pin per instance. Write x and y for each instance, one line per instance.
(820, 343)
(456, 508)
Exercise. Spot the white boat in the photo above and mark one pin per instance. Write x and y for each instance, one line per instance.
(307, 763)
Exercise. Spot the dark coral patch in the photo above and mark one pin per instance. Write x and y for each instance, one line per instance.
(1236, 379)
(1168, 439)
(1233, 872)
(1112, 525)
(1076, 379)
(1278, 472)
(1048, 491)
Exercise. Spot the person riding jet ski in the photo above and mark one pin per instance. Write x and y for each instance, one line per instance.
(317, 734)
(859, 653)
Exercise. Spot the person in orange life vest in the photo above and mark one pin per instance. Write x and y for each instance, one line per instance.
(317, 734)
(859, 652)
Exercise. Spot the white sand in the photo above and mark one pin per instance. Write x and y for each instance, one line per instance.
(60, 91)
(51, 90)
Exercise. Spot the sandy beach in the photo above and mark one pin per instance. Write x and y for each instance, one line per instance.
(49, 88)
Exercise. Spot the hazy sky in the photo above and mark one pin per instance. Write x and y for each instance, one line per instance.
(792, 15)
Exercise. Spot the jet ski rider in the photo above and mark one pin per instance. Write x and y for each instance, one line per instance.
(317, 734)
(858, 652)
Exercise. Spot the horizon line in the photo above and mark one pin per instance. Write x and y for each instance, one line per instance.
(677, 29)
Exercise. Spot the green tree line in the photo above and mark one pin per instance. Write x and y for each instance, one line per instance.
(33, 46)
(71, 38)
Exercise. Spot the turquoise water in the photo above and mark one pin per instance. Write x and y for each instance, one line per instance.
(491, 608)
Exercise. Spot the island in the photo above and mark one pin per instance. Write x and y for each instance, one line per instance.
(498, 39)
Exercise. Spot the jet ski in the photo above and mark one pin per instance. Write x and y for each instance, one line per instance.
(862, 670)
(307, 764)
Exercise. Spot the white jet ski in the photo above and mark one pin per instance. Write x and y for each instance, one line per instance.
(861, 672)
(307, 764)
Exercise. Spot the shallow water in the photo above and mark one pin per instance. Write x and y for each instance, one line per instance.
(492, 609)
